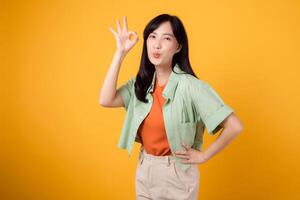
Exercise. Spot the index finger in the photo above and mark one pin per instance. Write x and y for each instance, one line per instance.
(125, 23)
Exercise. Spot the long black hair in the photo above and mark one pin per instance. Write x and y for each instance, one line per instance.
(146, 69)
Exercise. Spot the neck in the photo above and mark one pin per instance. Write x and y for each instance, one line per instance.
(163, 73)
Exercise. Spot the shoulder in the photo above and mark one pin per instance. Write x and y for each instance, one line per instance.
(197, 88)
(128, 85)
(131, 81)
(191, 82)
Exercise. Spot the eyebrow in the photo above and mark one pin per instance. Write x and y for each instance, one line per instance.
(164, 34)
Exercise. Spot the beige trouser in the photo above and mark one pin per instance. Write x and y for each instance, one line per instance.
(158, 177)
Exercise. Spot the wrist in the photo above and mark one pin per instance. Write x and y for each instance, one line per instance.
(120, 53)
(205, 157)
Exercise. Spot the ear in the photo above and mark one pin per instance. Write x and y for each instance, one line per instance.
(178, 48)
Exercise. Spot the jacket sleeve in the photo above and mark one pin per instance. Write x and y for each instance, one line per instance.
(210, 108)
(126, 90)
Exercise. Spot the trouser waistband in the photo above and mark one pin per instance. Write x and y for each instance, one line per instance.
(168, 159)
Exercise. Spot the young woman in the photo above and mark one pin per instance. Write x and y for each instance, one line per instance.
(167, 109)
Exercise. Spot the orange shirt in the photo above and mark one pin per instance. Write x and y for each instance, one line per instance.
(152, 131)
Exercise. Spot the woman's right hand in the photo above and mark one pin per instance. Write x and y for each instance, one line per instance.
(124, 44)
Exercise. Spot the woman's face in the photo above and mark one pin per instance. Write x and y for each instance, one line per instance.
(162, 45)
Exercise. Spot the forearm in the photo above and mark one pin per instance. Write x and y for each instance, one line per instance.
(108, 90)
(225, 137)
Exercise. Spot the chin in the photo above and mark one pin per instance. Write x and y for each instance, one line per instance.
(156, 62)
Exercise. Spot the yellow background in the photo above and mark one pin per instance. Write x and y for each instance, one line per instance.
(58, 143)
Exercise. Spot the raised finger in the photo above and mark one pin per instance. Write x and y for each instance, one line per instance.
(118, 26)
(113, 31)
(125, 23)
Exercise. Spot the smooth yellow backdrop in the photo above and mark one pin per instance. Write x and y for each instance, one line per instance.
(58, 143)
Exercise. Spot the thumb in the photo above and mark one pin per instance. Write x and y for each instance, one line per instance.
(134, 34)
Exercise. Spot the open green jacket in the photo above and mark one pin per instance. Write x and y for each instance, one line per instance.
(191, 105)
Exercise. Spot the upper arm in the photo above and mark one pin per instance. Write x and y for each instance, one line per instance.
(124, 93)
(232, 122)
(117, 101)
(210, 107)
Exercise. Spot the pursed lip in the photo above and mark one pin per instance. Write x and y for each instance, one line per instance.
(156, 55)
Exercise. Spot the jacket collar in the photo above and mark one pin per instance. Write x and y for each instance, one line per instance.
(171, 85)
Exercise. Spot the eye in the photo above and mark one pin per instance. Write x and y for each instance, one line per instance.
(151, 36)
(168, 38)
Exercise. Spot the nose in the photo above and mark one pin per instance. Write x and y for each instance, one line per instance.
(157, 45)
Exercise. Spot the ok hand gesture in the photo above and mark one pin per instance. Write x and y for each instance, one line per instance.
(124, 44)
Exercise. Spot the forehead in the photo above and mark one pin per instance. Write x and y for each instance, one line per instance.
(164, 29)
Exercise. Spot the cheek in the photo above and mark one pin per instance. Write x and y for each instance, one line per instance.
(148, 42)
(171, 51)
(172, 48)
